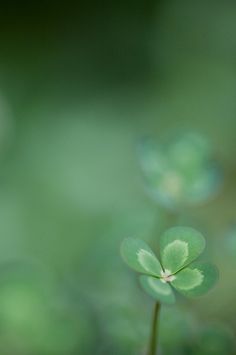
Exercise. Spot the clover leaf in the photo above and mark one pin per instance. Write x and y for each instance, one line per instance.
(179, 172)
(179, 247)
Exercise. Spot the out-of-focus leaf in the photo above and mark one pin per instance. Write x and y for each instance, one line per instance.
(181, 171)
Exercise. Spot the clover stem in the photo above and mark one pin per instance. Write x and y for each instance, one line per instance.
(153, 344)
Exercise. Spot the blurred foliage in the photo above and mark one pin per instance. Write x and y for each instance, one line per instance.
(230, 241)
(81, 83)
(180, 172)
(214, 339)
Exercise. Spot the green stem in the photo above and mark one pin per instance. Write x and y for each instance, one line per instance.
(153, 344)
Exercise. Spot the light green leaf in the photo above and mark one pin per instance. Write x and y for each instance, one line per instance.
(140, 257)
(188, 278)
(196, 279)
(158, 289)
(179, 246)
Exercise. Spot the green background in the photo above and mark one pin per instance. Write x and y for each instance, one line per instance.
(80, 84)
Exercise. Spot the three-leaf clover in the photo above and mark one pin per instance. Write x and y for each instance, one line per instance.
(179, 172)
(179, 247)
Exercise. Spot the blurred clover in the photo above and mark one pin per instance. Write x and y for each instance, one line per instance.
(179, 247)
(180, 172)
